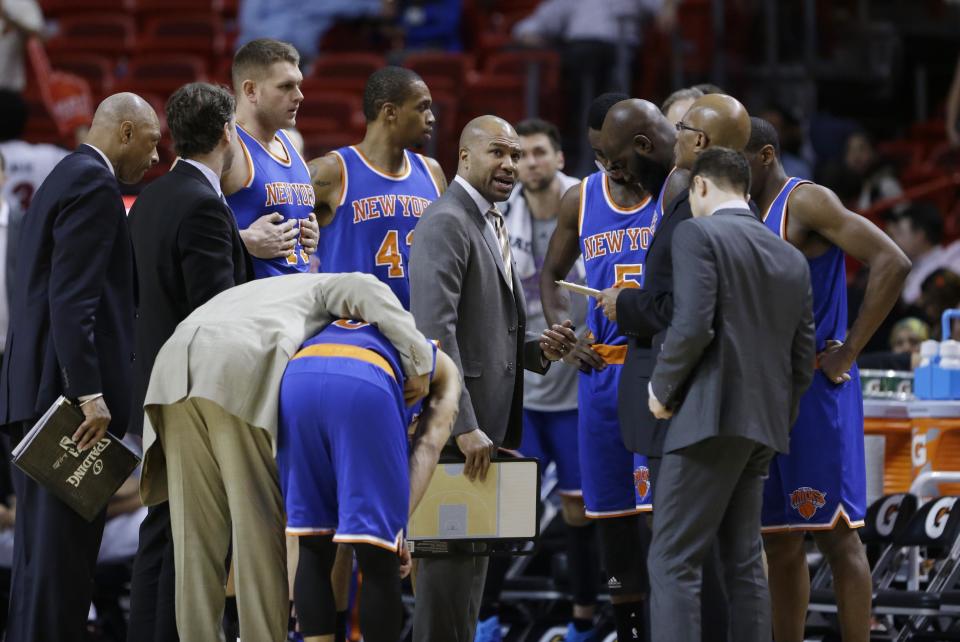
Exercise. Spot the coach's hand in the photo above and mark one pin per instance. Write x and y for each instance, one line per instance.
(558, 340)
(309, 233)
(658, 409)
(477, 448)
(94, 426)
(416, 388)
(584, 357)
(835, 361)
(270, 237)
(608, 300)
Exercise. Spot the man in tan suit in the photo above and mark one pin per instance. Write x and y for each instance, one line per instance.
(210, 430)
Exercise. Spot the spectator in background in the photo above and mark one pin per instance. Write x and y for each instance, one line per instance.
(862, 178)
(940, 291)
(918, 230)
(677, 103)
(907, 336)
(793, 153)
(27, 164)
(904, 352)
(302, 24)
(20, 20)
(430, 25)
(597, 40)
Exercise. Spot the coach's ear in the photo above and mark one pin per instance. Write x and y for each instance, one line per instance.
(642, 144)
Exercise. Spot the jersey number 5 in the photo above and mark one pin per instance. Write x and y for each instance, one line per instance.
(628, 275)
(389, 253)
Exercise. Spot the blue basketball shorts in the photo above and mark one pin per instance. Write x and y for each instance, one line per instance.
(342, 451)
(609, 471)
(822, 479)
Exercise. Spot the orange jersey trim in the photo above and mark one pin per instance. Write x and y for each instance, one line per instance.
(347, 351)
(403, 174)
(614, 355)
(616, 206)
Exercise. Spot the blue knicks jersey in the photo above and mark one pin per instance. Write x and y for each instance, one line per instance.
(356, 340)
(276, 185)
(372, 228)
(613, 242)
(828, 275)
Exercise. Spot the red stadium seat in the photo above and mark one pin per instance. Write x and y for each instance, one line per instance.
(346, 72)
(319, 144)
(198, 34)
(446, 135)
(903, 153)
(519, 63)
(57, 8)
(96, 69)
(441, 71)
(166, 6)
(107, 34)
(497, 95)
(325, 113)
(162, 75)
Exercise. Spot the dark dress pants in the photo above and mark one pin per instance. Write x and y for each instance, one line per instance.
(153, 616)
(54, 560)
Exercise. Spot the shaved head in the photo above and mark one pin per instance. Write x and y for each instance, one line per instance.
(483, 128)
(489, 156)
(714, 120)
(126, 129)
(638, 140)
(124, 106)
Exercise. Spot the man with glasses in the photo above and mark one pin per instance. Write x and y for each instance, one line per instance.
(642, 144)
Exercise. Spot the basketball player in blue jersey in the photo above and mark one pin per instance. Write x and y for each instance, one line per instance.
(820, 486)
(268, 184)
(608, 222)
(370, 196)
(342, 392)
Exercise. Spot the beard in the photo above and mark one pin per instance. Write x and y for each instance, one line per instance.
(649, 173)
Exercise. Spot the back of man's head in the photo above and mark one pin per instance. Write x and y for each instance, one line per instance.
(13, 115)
(196, 114)
(725, 168)
(253, 60)
(600, 106)
(762, 133)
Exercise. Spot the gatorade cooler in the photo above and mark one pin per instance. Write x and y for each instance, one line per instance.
(891, 420)
(935, 439)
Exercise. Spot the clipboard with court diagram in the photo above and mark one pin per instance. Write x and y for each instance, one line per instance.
(502, 507)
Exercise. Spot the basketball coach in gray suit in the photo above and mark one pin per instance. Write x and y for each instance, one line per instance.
(464, 292)
(737, 356)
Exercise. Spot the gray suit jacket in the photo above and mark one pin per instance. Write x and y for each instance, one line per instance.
(740, 350)
(459, 296)
(233, 349)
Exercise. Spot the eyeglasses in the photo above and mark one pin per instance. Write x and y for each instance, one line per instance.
(682, 125)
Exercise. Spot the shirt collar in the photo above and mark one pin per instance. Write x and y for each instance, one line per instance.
(733, 204)
(4, 213)
(103, 156)
(483, 204)
(208, 173)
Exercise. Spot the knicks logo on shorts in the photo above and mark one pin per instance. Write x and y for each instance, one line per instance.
(807, 501)
(641, 479)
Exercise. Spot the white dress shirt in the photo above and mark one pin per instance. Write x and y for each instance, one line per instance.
(103, 156)
(208, 173)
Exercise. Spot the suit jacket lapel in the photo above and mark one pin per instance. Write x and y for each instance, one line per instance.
(479, 219)
(672, 207)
